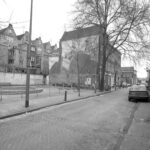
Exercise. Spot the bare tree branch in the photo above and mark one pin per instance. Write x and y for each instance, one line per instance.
(125, 25)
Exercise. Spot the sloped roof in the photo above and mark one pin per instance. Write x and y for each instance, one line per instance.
(55, 68)
(19, 37)
(81, 32)
(3, 30)
(9, 26)
(46, 44)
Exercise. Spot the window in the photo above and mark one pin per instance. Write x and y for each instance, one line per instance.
(32, 59)
(33, 49)
(21, 61)
(9, 39)
(10, 61)
(39, 49)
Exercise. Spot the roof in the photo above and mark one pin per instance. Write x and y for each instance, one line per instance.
(3, 30)
(46, 44)
(19, 37)
(55, 68)
(81, 32)
(54, 52)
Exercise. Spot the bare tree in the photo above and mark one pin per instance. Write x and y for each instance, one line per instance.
(74, 57)
(78, 53)
(124, 26)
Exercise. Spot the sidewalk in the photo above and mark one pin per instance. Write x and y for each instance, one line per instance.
(138, 136)
(13, 106)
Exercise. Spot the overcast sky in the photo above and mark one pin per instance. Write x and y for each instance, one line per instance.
(50, 19)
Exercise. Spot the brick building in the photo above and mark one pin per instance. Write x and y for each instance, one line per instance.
(83, 43)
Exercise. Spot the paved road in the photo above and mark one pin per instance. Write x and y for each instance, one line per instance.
(92, 124)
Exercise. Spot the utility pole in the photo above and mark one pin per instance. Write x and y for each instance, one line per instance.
(78, 73)
(28, 60)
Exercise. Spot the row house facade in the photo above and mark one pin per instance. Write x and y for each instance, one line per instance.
(53, 54)
(129, 75)
(8, 43)
(13, 53)
(82, 45)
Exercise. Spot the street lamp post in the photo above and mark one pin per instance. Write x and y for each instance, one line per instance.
(28, 60)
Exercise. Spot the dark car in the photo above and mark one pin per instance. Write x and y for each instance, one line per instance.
(138, 93)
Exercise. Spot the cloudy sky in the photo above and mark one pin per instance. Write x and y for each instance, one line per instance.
(50, 19)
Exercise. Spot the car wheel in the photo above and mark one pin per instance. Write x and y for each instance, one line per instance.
(129, 99)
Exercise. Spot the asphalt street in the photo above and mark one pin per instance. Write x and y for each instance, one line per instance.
(97, 123)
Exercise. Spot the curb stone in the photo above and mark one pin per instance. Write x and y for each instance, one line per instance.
(36, 108)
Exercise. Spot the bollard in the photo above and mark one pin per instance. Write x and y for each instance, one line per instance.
(95, 90)
(65, 98)
(59, 90)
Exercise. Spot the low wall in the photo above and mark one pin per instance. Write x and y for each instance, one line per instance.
(19, 79)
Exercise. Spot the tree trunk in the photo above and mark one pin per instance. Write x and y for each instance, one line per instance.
(104, 48)
(98, 64)
(102, 85)
(115, 79)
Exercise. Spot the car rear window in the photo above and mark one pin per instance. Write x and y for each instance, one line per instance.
(138, 88)
(138, 93)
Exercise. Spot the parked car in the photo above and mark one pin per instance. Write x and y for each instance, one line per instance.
(148, 87)
(138, 93)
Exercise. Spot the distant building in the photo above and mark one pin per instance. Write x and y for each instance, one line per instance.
(8, 36)
(13, 53)
(129, 75)
(84, 43)
(42, 57)
(9, 39)
(22, 52)
(3, 57)
(53, 55)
